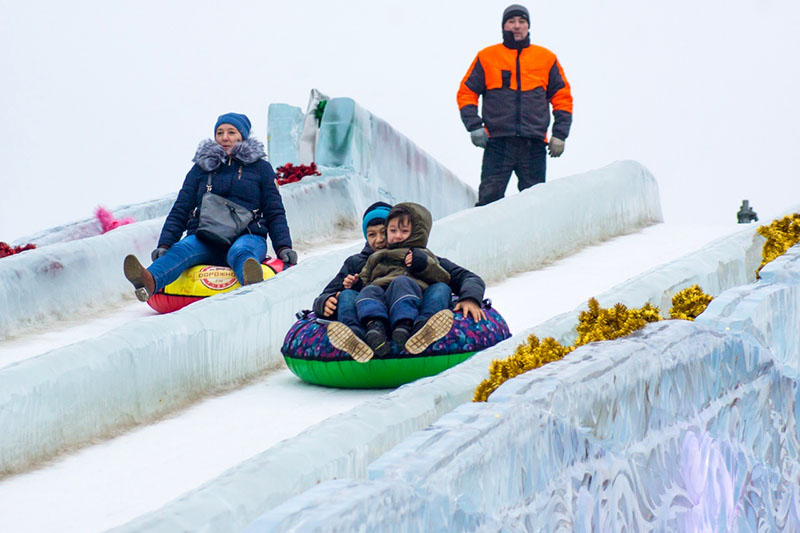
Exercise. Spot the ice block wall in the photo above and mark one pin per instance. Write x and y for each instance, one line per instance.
(68, 279)
(386, 160)
(284, 126)
(231, 501)
(84, 390)
(679, 427)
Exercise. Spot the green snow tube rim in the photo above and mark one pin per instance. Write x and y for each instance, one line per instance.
(375, 374)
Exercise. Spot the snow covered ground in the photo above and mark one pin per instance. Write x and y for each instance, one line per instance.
(113, 482)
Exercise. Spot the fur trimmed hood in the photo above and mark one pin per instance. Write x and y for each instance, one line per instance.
(210, 155)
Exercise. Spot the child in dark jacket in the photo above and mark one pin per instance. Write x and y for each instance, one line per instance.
(330, 303)
(337, 301)
(394, 280)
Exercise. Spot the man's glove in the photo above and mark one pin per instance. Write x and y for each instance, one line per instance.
(288, 256)
(158, 252)
(479, 137)
(556, 147)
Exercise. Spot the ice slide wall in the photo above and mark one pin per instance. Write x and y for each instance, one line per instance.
(232, 501)
(680, 427)
(151, 366)
(362, 159)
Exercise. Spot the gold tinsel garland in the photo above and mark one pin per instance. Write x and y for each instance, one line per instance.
(595, 324)
(689, 303)
(781, 235)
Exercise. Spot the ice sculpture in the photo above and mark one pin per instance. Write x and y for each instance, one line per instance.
(86, 389)
(285, 124)
(300, 462)
(318, 208)
(680, 427)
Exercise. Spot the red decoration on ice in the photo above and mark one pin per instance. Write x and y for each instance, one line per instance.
(6, 249)
(289, 173)
(107, 220)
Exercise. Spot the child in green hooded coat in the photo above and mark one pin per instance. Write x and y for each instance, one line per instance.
(394, 280)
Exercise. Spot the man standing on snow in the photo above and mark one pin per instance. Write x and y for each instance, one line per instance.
(518, 81)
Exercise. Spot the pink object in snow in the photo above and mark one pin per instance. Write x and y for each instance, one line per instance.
(107, 220)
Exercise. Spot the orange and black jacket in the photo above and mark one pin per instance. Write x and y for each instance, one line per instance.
(518, 86)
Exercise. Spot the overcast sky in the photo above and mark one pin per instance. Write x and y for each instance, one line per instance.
(104, 103)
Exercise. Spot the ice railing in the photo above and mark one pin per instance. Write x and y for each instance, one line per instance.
(362, 159)
(680, 427)
(231, 501)
(153, 365)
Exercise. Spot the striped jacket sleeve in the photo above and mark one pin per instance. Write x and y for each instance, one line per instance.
(472, 86)
(560, 97)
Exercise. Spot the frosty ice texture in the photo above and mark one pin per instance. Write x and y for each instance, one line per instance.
(285, 124)
(386, 160)
(679, 427)
(216, 342)
(373, 428)
(66, 277)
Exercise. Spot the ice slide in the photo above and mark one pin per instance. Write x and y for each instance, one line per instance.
(680, 427)
(97, 387)
(75, 269)
(417, 410)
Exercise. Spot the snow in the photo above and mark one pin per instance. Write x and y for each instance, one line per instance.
(106, 485)
(372, 427)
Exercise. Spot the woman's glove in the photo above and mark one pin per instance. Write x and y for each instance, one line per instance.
(288, 256)
(158, 252)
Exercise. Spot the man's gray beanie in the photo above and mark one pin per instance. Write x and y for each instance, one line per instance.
(516, 10)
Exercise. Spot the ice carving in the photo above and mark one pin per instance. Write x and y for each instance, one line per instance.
(318, 208)
(681, 426)
(670, 452)
(375, 427)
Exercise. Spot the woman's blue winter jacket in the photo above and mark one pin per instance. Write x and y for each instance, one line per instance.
(244, 177)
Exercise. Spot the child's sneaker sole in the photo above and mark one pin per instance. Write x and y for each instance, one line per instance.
(252, 272)
(343, 338)
(434, 329)
(134, 272)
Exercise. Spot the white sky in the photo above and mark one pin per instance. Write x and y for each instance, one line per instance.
(105, 102)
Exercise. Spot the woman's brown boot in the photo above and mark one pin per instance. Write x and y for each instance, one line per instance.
(140, 277)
